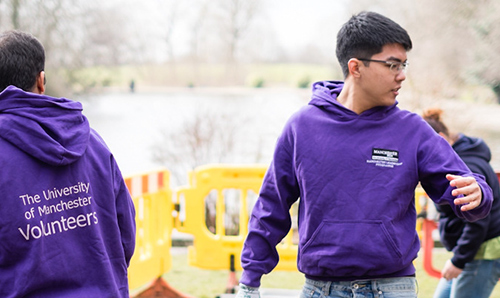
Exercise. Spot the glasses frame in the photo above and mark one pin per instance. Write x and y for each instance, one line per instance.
(394, 66)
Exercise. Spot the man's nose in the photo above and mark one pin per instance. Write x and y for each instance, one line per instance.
(401, 76)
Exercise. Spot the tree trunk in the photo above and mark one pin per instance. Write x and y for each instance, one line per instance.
(496, 89)
(15, 13)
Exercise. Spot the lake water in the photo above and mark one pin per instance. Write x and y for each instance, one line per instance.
(133, 123)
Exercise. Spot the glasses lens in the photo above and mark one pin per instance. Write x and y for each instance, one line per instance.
(397, 67)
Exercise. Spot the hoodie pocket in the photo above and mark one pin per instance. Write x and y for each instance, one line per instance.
(350, 248)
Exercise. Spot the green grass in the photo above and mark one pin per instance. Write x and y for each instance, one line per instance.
(186, 74)
(202, 283)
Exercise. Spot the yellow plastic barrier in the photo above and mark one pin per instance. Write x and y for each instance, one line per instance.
(152, 198)
(421, 202)
(215, 208)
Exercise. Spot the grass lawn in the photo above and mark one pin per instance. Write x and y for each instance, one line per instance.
(202, 283)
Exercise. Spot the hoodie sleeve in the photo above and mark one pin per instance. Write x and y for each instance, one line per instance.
(436, 159)
(461, 237)
(125, 213)
(470, 241)
(270, 220)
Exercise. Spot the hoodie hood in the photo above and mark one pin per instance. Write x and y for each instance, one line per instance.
(52, 130)
(469, 146)
(324, 96)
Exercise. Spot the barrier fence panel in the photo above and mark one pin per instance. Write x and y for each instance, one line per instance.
(215, 209)
(152, 198)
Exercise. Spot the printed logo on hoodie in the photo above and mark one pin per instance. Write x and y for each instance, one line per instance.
(385, 158)
(57, 200)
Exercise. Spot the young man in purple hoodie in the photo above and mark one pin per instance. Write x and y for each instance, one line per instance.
(67, 221)
(354, 159)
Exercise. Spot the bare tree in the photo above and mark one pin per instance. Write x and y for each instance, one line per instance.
(197, 33)
(197, 29)
(207, 137)
(74, 35)
(172, 15)
(235, 20)
(483, 22)
(15, 6)
(456, 43)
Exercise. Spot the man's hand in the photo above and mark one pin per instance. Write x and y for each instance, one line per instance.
(450, 271)
(468, 187)
(247, 292)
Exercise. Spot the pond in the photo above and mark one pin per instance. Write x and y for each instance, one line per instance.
(133, 123)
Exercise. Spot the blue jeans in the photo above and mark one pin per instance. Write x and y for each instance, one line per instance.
(477, 280)
(400, 287)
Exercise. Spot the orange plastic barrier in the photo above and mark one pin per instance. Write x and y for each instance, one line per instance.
(428, 245)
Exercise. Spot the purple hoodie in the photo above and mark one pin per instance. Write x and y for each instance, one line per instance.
(67, 225)
(355, 176)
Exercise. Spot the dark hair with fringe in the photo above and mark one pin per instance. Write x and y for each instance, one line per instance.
(365, 34)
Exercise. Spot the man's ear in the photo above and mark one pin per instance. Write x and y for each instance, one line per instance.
(40, 83)
(353, 65)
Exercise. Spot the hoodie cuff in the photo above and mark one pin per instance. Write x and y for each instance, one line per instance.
(484, 207)
(250, 278)
(458, 263)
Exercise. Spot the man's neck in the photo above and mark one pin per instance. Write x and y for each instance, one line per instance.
(348, 99)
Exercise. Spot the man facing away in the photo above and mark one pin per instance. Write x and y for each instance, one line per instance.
(354, 159)
(67, 221)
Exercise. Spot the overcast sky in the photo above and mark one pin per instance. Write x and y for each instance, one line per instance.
(299, 22)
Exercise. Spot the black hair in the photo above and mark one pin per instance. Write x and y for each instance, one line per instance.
(365, 34)
(22, 58)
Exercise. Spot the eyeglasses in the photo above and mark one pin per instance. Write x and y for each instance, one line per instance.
(395, 66)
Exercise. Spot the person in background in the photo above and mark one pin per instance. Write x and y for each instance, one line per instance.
(132, 86)
(354, 159)
(67, 221)
(474, 269)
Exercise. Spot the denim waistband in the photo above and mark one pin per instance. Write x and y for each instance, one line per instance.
(393, 283)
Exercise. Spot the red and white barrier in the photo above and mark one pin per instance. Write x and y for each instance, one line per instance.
(142, 184)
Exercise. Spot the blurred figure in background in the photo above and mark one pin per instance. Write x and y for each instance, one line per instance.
(474, 269)
(67, 221)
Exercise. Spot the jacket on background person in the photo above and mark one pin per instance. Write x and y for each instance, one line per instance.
(474, 268)
(462, 237)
